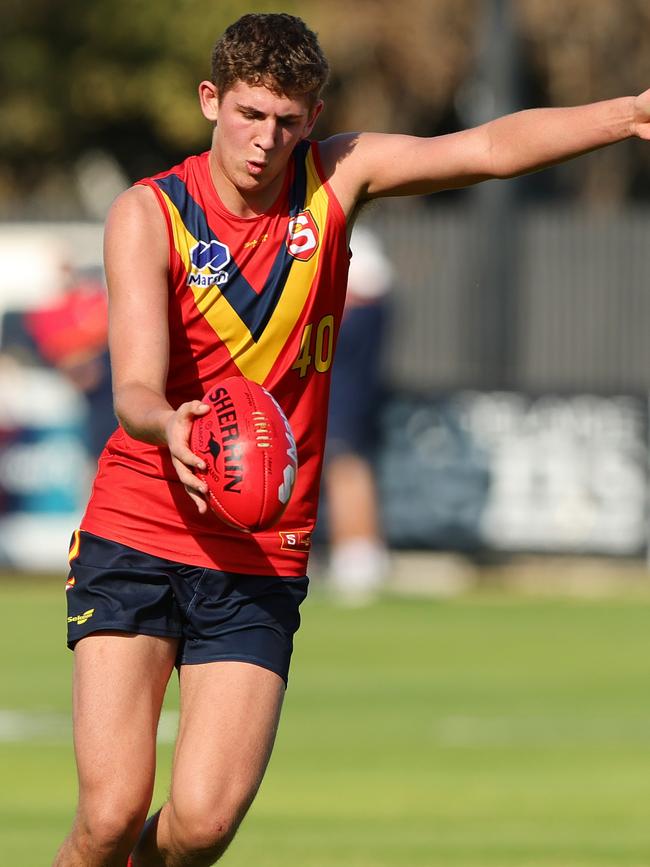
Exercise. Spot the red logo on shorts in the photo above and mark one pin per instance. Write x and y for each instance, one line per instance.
(302, 236)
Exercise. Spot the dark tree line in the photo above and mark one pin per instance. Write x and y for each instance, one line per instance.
(119, 77)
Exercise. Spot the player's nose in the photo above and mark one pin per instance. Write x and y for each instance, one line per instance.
(266, 134)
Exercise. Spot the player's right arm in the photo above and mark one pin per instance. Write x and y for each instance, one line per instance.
(136, 258)
(364, 166)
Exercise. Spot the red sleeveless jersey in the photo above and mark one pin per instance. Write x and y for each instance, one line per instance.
(260, 297)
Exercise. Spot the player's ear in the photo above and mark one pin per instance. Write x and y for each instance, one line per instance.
(209, 100)
(313, 117)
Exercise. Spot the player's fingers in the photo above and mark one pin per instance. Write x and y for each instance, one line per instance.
(193, 408)
(178, 433)
(187, 477)
(198, 501)
(185, 456)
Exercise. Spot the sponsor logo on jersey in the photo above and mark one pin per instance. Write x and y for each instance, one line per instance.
(302, 236)
(256, 241)
(80, 619)
(295, 540)
(209, 261)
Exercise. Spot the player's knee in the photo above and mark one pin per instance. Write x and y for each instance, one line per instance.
(111, 828)
(203, 832)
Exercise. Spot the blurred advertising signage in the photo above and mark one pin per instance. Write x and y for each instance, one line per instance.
(512, 472)
(44, 466)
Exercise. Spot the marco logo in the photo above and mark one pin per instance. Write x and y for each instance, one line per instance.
(80, 619)
(209, 260)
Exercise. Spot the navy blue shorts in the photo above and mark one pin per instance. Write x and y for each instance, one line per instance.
(215, 615)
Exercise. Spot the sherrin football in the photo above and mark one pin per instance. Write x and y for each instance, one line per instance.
(250, 453)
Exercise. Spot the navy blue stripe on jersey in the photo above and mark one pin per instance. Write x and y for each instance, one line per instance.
(298, 189)
(255, 310)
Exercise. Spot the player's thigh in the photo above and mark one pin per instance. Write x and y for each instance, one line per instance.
(118, 688)
(229, 717)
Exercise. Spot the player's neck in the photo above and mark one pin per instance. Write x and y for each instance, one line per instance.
(241, 202)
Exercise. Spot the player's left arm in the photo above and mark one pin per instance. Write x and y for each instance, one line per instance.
(364, 166)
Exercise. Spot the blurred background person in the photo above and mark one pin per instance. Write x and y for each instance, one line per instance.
(70, 333)
(358, 557)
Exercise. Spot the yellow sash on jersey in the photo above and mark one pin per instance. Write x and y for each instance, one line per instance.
(256, 358)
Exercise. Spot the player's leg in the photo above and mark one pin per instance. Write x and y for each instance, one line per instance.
(229, 718)
(123, 624)
(118, 688)
(235, 662)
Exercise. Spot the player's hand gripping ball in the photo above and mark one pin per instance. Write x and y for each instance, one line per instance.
(250, 453)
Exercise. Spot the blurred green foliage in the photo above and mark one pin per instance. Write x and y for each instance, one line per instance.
(119, 77)
(80, 74)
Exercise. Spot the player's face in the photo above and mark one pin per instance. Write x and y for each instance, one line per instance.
(255, 134)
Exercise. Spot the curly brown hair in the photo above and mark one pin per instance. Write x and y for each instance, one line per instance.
(275, 50)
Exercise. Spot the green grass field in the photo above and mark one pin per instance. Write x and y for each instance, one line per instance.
(484, 730)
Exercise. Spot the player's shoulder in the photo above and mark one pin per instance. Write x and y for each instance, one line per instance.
(347, 164)
(352, 149)
(337, 150)
(136, 223)
(144, 200)
(138, 198)
(137, 205)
